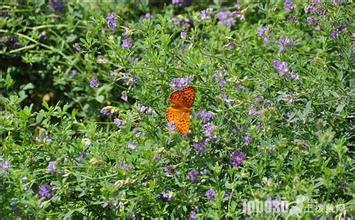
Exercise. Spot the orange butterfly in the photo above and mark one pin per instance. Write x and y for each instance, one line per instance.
(179, 110)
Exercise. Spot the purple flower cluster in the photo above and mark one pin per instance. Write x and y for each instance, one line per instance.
(45, 191)
(111, 20)
(337, 31)
(263, 32)
(4, 164)
(211, 195)
(208, 130)
(107, 110)
(193, 215)
(315, 9)
(182, 3)
(237, 158)
(94, 82)
(147, 16)
(166, 196)
(283, 70)
(193, 175)
(127, 42)
(52, 167)
(180, 83)
(171, 126)
(205, 115)
(206, 14)
(247, 139)
(253, 112)
(200, 146)
(169, 170)
(289, 5)
(56, 5)
(185, 23)
(146, 110)
(284, 43)
(43, 137)
(118, 122)
(226, 18)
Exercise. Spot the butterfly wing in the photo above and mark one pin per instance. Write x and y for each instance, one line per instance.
(183, 98)
(180, 117)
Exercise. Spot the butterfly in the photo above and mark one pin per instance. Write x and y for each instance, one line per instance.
(179, 111)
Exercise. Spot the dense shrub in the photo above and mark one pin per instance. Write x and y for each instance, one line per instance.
(84, 89)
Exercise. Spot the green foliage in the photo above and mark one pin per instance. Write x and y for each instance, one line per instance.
(300, 134)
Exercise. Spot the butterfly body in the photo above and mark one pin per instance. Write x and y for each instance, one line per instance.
(181, 102)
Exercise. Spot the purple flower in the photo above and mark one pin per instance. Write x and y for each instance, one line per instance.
(337, 31)
(106, 111)
(118, 122)
(205, 115)
(230, 46)
(263, 32)
(247, 139)
(124, 96)
(200, 146)
(180, 83)
(183, 34)
(211, 194)
(193, 175)
(226, 18)
(169, 170)
(94, 82)
(146, 110)
(220, 78)
(4, 165)
(181, 2)
(111, 20)
(171, 126)
(43, 137)
(289, 5)
(311, 20)
(284, 42)
(52, 166)
(176, 20)
(193, 215)
(166, 196)
(147, 16)
(237, 158)
(206, 14)
(253, 112)
(208, 130)
(281, 67)
(45, 191)
(127, 43)
(128, 79)
(56, 5)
